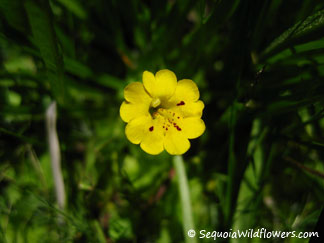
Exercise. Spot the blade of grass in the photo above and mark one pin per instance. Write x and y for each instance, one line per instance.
(75, 7)
(21, 137)
(187, 218)
(303, 31)
(55, 153)
(228, 207)
(249, 196)
(44, 38)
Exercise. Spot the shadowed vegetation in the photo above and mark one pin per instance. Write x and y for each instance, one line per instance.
(259, 66)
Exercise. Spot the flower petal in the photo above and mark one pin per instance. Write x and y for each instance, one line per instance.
(152, 142)
(163, 85)
(129, 111)
(136, 128)
(166, 82)
(175, 143)
(189, 109)
(186, 90)
(135, 93)
(149, 82)
(192, 127)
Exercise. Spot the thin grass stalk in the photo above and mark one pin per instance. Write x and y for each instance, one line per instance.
(55, 154)
(187, 218)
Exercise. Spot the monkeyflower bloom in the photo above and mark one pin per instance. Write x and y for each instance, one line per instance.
(162, 113)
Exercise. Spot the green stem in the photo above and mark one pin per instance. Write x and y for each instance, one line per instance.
(187, 219)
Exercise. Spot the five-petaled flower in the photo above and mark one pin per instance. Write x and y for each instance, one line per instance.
(162, 113)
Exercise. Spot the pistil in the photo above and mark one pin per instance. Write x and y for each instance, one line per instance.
(155, 102)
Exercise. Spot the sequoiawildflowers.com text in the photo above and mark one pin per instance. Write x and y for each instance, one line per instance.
(252, 233)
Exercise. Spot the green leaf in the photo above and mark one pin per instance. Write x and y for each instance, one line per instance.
(44, 38)
(304, 31)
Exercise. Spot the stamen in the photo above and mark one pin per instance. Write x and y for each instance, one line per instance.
(170, 118)
(155, 102)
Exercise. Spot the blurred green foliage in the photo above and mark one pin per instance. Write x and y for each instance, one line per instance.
(259, 66)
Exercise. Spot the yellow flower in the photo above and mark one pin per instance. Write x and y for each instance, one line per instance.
(162, 113)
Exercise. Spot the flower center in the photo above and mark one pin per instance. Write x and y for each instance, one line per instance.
(170, 119)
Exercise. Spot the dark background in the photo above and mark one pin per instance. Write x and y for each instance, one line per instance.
(259, 66)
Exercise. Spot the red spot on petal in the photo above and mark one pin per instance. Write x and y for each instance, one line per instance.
(151, 128)
(178, 117)
(181, 103)
(167, 129)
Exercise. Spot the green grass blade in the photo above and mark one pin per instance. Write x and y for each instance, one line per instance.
(309, 29)
(187, 218)
(45, 39)
(75, 7)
